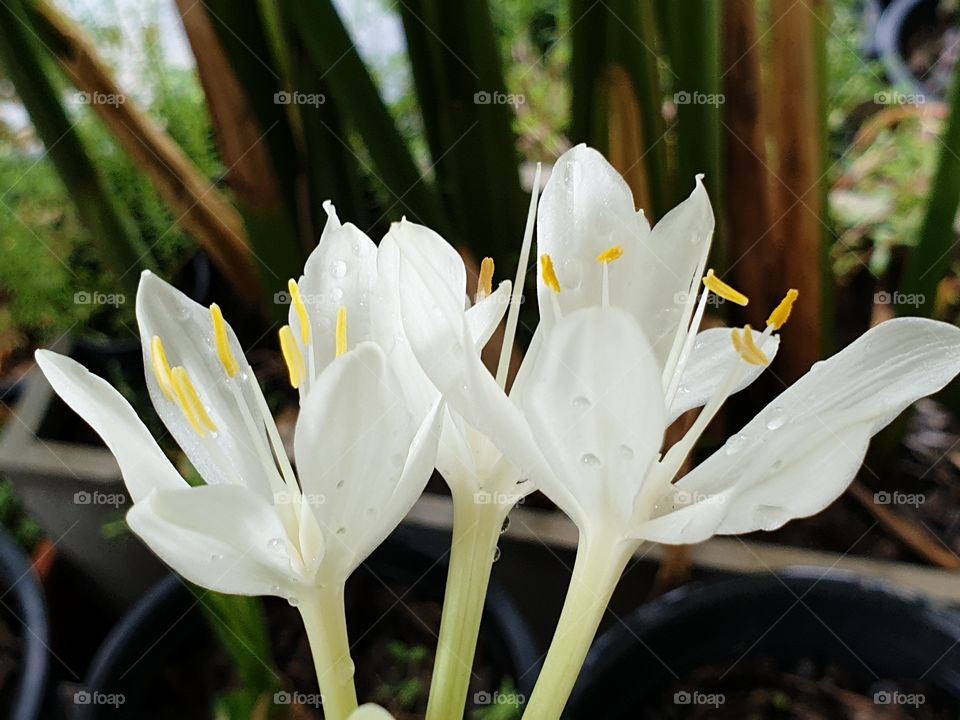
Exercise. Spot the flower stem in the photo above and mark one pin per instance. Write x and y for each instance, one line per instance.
(596, 571)
(476, 528)
(324, 617)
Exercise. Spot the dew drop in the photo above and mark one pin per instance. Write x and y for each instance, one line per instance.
(345, 669)
(340, 483)
(735, 444)
(682, 389)
(356, 249)
(506, 525)
(581, 402)
(496, 554)
(626, 452)
(776, 419)
(341, 530)
(293, 600)
(216, 557)
(338, 268)
(274, 589)
(275, 543)
(336, 294)
(590, 459)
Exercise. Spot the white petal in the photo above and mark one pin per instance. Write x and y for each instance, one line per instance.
(432, 250)
(586, 208)
(340, 272)
(484, 317)
(223, 537)
(437, 329)
(802, 450)
(186, 329)
(710, 360)
(595, 405)
(352, 440)
(675, 251)
(142, 462)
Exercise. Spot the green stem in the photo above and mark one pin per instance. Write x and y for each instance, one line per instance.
(476, 529)
(598, 567)
(324, 617)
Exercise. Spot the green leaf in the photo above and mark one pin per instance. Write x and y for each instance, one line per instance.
(111, 228)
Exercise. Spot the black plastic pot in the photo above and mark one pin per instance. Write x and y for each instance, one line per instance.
(859, 625)
(166, 627)
(897, 22)
(22, 607)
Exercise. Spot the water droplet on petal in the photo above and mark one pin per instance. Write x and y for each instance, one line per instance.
(581, 402)
(338, 268)
(356, 249)
(682, 389)
(626, 452)
(590, 459)
(572, 274)
(345, 669)
(275, 543)
(293, 600)
(506, 525)
(216, 557)
(336, 294)
(496, 554)
(776, 418)
(341, 530)
(274, 589)
(735, 444)
(340, 483)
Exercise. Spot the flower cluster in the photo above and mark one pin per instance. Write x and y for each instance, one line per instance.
(383, 348)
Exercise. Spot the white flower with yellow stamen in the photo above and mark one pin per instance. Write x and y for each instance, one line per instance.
(365, 440)
(619, 355)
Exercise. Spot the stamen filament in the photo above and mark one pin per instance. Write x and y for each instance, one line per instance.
(686, 348)
(685, 327)
(341, 331)
(727, 292)
(513, 314)
(222, 339)
(292, 356)
(161, 367)
(485, 281)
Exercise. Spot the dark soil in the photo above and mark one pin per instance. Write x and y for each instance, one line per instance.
(9, 665)
(759, 689)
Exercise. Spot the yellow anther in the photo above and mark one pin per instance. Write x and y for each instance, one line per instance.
(292, 356)
(610, 254)
(781, 313)
(222, 340)
(296, 300)
(341, 331)
(719, 287)
(485, 282)
(549, 274)
(161, 368)
(747, 347)
(190, 402)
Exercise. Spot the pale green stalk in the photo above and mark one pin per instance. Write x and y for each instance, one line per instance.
(600, 563)
(476, 529)
(324, 617)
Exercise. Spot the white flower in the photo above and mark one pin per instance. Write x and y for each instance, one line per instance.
(618, 357)
(364, 444)
(480, 420)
